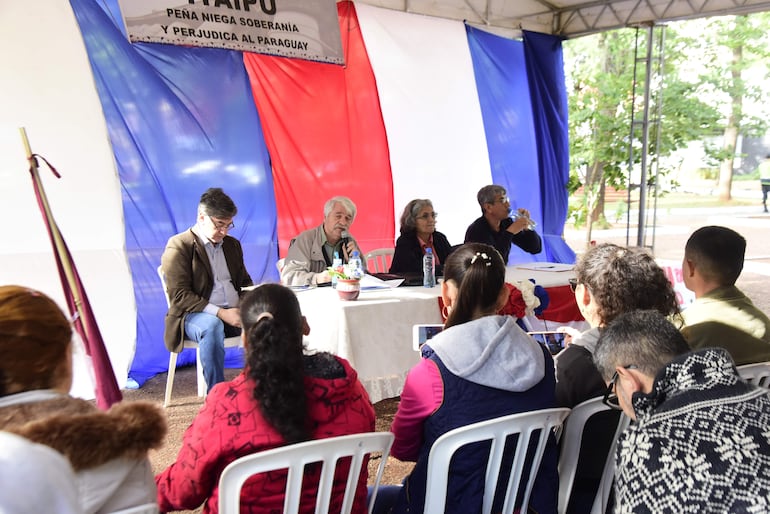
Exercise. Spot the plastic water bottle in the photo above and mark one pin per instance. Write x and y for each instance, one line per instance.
(336, 263)
(356, 269)
(428, 269)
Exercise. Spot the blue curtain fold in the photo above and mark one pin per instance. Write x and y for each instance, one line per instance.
(180, 120)
(498, 67)
(510, 120)
(545, 74)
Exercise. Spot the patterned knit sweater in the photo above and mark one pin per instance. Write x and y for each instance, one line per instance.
(701, 442)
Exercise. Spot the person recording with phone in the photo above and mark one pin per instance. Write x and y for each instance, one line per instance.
(313, 250)
(500, 228)
(481, 366)
(609, 280)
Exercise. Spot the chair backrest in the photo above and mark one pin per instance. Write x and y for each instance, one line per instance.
(163, 285)
(531, 426)
(757, 373)
(380, 260)
(570, 441)
(295, 457)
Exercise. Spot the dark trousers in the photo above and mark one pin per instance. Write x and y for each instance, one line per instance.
(765, 190)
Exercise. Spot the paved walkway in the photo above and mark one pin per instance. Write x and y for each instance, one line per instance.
(674, 226)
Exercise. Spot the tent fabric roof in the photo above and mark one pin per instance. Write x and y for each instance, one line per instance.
(569, 18)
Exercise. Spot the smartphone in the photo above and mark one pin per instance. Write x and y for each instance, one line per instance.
(421, 334)
(552, 340)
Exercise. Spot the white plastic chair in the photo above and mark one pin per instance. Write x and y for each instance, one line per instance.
(381, 259)
(280, 263)
(534, 425)
(147, 508)
(295, 457)
(757, 373)
(571, 437)
(230, 342)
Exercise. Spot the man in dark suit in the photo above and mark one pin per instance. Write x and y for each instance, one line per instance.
(204, 273)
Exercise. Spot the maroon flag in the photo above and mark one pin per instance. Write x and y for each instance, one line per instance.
(107, 390)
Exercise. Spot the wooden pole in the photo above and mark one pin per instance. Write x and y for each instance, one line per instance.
(58, 241)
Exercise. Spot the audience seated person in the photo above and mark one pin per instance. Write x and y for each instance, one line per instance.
(283, 396)
(418, 232)
(610, 280)
(482, 366)
(721, 314)
(311, 252)
(107, 450)
(34, 479)
(495, 227)
(204, 273)
(700, 438)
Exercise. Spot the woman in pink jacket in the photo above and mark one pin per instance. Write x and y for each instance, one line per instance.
(282, 397)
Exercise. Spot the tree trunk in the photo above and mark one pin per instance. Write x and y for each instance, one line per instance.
(726, 168)
(732, 127)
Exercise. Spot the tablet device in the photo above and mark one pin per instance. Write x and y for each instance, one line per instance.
(422, 333)
(552, 339)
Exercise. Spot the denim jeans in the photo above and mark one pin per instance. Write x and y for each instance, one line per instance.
(209, 332)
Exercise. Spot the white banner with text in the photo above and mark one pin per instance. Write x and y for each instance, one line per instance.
(303, 29)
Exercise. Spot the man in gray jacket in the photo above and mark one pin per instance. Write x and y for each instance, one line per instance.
(311, 252)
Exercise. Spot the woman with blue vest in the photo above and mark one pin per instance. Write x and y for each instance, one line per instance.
(482, 366)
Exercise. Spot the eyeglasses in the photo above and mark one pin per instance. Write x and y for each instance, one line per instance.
(610, 398)
(573, 284)
(502, 199)
(428, 215)
(221, 225)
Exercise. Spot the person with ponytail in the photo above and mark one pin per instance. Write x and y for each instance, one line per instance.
(481, 366)
(283, 396)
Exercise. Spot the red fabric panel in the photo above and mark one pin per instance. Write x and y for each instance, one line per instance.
(562, 306)
(326, 137)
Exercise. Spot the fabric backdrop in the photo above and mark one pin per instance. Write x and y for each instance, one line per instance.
(423, 108)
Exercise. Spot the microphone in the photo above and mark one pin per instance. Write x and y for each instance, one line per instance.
(345, 238)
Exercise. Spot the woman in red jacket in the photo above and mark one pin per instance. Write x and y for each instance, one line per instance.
(282, 397)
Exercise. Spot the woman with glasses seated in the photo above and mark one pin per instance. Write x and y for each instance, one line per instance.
(418, 232)
(609, 280)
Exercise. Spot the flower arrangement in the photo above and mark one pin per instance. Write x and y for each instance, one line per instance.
(524, 299)
(343, 272)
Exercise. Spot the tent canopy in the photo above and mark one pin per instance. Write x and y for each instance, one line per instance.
(569, 18)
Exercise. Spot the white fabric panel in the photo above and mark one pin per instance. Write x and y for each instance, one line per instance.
(47, 88)
(431, 112)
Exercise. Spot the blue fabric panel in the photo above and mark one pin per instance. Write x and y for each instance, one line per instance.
(501, 81)
(545, 72)
(180, 120)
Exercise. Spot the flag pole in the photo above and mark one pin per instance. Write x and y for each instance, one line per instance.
(58, 241)
(106, 387)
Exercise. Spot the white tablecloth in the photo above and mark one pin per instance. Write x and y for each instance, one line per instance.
(374, 333)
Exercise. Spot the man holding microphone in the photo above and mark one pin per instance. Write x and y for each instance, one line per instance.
(312, 251)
